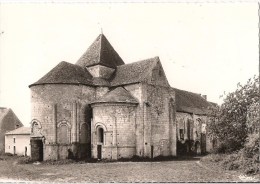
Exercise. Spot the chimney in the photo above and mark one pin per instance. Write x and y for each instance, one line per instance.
(204, 96)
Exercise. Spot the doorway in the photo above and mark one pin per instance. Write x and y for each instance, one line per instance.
(37, 149)
(152, 151)
(203, 143)
(14, 150)
(25, 151)
(99, 151)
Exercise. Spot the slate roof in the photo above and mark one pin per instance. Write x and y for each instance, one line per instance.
(134, 72)
(118, 95)
(3, 112)
(98, 81)
(20, 131)
(191, 102)
(66, 73)
(100, 52)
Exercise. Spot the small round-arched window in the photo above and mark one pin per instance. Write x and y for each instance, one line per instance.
(100, 135)
(36, 126)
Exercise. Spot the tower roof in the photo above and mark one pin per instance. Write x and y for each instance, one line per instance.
(100, 52)
(118, 95)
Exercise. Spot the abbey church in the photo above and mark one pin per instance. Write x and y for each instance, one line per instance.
(102, 108)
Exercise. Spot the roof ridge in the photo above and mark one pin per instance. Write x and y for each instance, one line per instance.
(16, 131)
(100, 52)
(100, 47)
(186, 91)
(143, 60)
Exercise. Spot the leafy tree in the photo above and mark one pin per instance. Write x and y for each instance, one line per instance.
(230, 124)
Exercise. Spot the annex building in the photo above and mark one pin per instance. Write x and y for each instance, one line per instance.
(102, 108)
(8, 121)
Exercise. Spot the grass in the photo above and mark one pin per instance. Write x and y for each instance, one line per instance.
(234, 161)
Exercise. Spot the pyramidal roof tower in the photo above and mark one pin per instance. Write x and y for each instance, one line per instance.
(101, 53)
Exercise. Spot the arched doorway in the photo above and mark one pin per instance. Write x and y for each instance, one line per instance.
(36, 141)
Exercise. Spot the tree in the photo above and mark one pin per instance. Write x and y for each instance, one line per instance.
(230, 124)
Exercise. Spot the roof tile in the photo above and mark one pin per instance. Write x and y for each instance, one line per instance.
(66, 73)
(20, 131)
(100, 52)
(134, 72)
(191, 102)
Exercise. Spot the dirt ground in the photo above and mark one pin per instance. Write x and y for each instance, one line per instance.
(188, 170)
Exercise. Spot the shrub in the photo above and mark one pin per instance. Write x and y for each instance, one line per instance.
(59, 162)
(213, 158)
(8, 154)
(236, 118)
(24, 160)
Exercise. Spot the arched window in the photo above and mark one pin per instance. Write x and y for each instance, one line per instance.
(36, 126)
(63, 133)
(100, 135)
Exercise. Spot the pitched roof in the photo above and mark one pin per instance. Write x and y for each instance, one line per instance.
(3, 112)
(100, 52)
(190, 102)
(66, 73)
(20, 131)
(134, 72)
(98, 81)
(118, 95)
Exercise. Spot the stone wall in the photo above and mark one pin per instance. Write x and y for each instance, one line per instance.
(159, 124)
(194, 133)
(101, 71)
(58, 108)
(137, 91)
(118, 123)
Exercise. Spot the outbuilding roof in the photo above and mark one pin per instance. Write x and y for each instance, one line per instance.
(118, 95)
(3, 112)
(20, 131)
(134, 72)
(100, 52)
(66, 73)
(191, 102)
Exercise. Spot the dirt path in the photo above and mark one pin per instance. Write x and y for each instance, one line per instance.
(166, 171)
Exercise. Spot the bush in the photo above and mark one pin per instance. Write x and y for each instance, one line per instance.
(213, 158)
(8, 154)
(236, 161)
(24, 160)
(58, 162)
(237, 117)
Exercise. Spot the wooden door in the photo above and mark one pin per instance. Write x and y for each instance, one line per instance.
(99, 151)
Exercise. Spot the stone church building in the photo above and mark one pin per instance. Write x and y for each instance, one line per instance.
(102, 108)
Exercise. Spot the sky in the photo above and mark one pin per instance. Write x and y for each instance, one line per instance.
(206, 48)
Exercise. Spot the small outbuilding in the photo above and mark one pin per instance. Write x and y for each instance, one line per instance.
(17, 141)
(8, 121)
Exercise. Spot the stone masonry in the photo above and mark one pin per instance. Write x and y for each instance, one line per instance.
(102, 108)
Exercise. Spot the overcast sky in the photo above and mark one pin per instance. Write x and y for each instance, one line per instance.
(204, 48)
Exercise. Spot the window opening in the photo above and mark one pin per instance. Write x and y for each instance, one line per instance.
(100, 135)
(181, 134)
